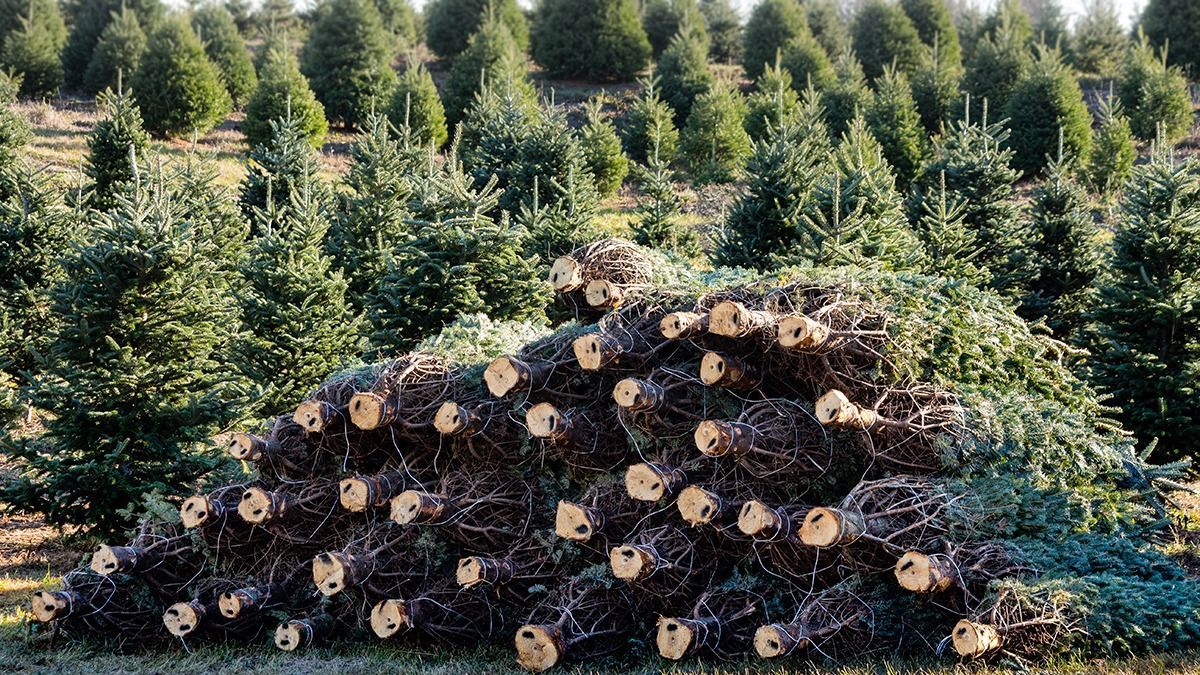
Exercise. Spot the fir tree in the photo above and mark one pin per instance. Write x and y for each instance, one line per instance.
(297, 321)
(1050, 26)
(602, 148)
(1008, 15)
(997, 64)
(658, 208)
(563, 226)
(772, 102)
(935, 89)
(89, 22)
(44, 12)
(724, 31)
(31, 51)
(14, 132)
(893, 120)
(781, 175)
(400, 20)
(276, 17)
(348, 60)
(116, 145)
(935, 26)
(1046, 105)
(593, 39)
(449, 23)
(133, 378)
(826, 24)
(1113, 151)
(662, 19)
(460, 261)
(714, 142)
(179, 89)
(883, 35)
(1063, 252)
(855, 216)
(117, 54)
(242, 15)
(650, 115)
(847, 98)
(948, 243)
(682, 72)
(204, 198)
(1146, 317)
(772, 24)
(1154, 95)
(415, 106)
(491, 58)
(806, 61)
(283, 90)
(278, 168)
(1099, 40)
(1174, 23)
(225, 48)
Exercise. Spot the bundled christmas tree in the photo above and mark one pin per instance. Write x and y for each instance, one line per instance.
(348, 60)
(117, 144)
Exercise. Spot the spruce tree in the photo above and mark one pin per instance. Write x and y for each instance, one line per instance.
(602, 148)
(277, 17)
(855, 216)
(650, 115)
(894, 122)
(772, 24)
(1050, 26)
(1155, 95)
(242, 15)
(935, 88)
(806, 61)
(179, 89)
(659, 205)
(1099, 40)
(564, 225)
(400, 20)
(598, 40)
(204, 197)
(348, 60)
(662, 19)
(848, 97)
(935, 25)
(724, 31)
(773, 101)
(714, 142)
(282, 89)
(45, 12)
(1046, 105)
(297, 322)
(491, 58)
(682, 72)
(415, 106)
(89, 22)
(883, 35)
(1008, 15)
(1174, 23)
(225, 48)
(947, 241)
(277, 168)
(14, 133)
(998, 63)
(31, 52)
(134, 380)
(1113, 150)
(781, 175)
(116, 145)
(1146, 319)
(117, 54)
(826, 24)
(449, 23)
(459, 261)
(1063, 252)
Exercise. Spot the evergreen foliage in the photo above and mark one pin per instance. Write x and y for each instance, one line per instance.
(348, 60)
(400, 20)
(282, 90)
(1099, 40)
(31, 52)
(773, 101)
(998, 63)
(492, 59)
(88, 23)
(1049, 24)
(1045, 107)
(1008, 16)
(827, 26)
(724, 31)
(948, 242)
(599, 40)
(659, 206)
(13, 13)
(772, 24)
(279, 168)
(935, 26)
(884, 35)
(847, 98)
(415, 106)
(133, 377)
(117, 54)
(450, 23)
(662, 19)
(602, 148)
(14, 133)
(1155, 95)
(935, 88)
(682, 72)
(714, 142)
(225, 48)
(1174, 23)
(781, 175)
(1113, 151)
(806, 61)
(649, 115)
(1146, 317)
(458, 261)
(117, 144)
(242, 15)
(894, 122)
(1063, 252)
(179, 89)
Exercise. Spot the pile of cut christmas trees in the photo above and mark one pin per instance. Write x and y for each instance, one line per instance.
(815, 464)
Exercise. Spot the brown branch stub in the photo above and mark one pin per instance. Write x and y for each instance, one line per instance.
(729, 372)
(825, 527)
(715, 438)
(683, 325)
(183, 618)
(539, 648)
(48, 606)
(314, 416)
(650, 482)
(973, 640)
(733, 319)
(576, 522)
(799, 333)
(835, 409)
(921, 573)
(566, 274)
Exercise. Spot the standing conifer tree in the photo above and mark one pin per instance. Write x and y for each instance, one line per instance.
(1146, 334)
(935, 88)
(682, 72)
(602, 148)
(592, 39)
(772, 24)
(1046, 108)
(283, 90)
(116, 145)
(659, 205)
(948, 242)
(134, 380)
(1155, 95)
(89, 22)
(491, 59)
(117, 54)
(715, 142)
(348, 60)
(935, 26)
(449, 23)
(894, 121)
(225, 48)
(31, 51)
(279, 167)
(1099, 40)
(827, 25)
(805, 59)
(772, 102)
(1174, 23)
(997, 64)
(1114, 151)
(884, 35)
(415, 106)
(180, 90)
(847, 98)
(662, 19)
(650, 127)
(724, 30)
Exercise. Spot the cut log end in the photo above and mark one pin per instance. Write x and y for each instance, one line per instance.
(727, 319)
(244, 448)
(183, 618)
(683, 325)
(589, 352)
(368, 411)
(230, 604)
(800, 333)
(469, 572)
(545, 421)
(452, 419)
(718, 370)
(824, 527)
(50, 605)
(713, 438)
(331, 573)
(388, 617)
(637, 395)
(836, 409)
(537, 648)
(973, 640)
(602, 293)
(113, 559)
(920, 573)
(674, 638)
(566, 274)
(407, 507)
(771, 641)
(630, 563)
(354, 494)
(698, 506)
(756, 519)
(196, 511)
(311, 416)
(504, 374)
(574, 522)
(257, 506)
(646, 483)
(292, 635)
